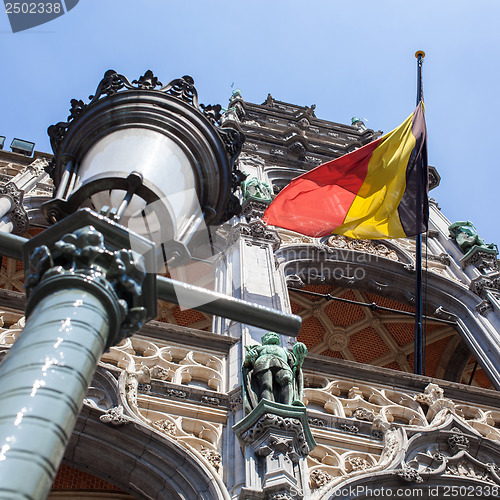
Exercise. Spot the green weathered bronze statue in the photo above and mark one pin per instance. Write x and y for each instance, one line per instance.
(466, 236)
(256, 190)
(272, 372)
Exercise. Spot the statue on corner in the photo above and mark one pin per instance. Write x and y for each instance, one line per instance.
(272, 372)
(466, 236)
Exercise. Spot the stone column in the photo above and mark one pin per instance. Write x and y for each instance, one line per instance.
(247, 269)
(249, 272)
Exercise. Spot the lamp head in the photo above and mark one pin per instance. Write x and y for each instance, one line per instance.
(148, 156)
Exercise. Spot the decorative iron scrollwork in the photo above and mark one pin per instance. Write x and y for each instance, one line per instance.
(182, 88)
(148, 81)
(56, 134)
(77, 108)
(233, 140)
(111, 83)
(83, 254)
(212, 112)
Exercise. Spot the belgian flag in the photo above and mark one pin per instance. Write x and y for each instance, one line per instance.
(371, 193)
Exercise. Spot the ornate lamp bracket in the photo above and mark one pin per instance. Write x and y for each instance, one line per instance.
(89, 251)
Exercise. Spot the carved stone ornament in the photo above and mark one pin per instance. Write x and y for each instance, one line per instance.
(161, 373)
(281, 495)
(134, 381)
(213, 457)
(363, 414)
(320, 478)
(482, 284)
(294, 281)
(37, 167)
(410, 474)
(353, 429)
(277, 438)
(166, 426)
(357, 463)
(458, 442)
(11, 191)
(277, 152)
(483, 259)
(443, 258)
(450, 449)
(317, 422)
(297, 149)
(253, 209)
(284, 418)
(210, 400)
(432, 393)
(258, 230)
(336, 341)
(236, 402)
(367, 246)
(175, 393)
(270, 420)
(115, 416)
(484, 307)
(82, 257)
(250, 146)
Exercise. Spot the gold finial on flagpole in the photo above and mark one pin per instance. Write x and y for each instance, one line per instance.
(419, 53)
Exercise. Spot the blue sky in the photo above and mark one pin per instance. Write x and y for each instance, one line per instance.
(349, 58)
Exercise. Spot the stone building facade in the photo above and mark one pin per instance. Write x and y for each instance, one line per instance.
(162, 419)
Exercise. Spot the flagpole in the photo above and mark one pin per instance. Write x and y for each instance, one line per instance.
(419, 347)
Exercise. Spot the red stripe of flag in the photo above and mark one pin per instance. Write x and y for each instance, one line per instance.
(317, 201)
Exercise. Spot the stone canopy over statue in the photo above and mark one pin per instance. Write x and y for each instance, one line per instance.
(272, 372)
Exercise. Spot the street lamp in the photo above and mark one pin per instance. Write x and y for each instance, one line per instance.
(150, 157)
(138, 151)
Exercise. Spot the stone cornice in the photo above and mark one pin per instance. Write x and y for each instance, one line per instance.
(188, 336)
(369, 374)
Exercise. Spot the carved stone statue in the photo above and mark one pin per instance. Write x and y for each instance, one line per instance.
(466, 236)
(257, 190)
(272, 372)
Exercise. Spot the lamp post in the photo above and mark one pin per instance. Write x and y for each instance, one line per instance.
(140, 155)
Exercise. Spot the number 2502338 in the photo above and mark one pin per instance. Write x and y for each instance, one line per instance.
(33, 7)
